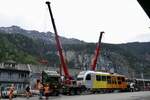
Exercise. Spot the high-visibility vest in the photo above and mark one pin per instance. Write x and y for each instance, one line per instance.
(40, 86)
(46, 88)
(11, 90)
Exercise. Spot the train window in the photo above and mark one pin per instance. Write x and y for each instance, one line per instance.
(103, 78)
(98, 77)
(88, 77)
(123, 79)
(119, 78)
(79, 79)
(113, 81)
(119, 82)
(108, 79)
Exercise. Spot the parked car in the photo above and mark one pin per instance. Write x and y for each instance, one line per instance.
(5, 92)
(34, 92)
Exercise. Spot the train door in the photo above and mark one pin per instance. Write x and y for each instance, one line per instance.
(119, 82)
(124, 84)
(116, 83)
(104, 81)
(88, 81)
(97, 83)
(113, 82)
(109, 82)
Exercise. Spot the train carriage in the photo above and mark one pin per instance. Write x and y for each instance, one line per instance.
(101, 81)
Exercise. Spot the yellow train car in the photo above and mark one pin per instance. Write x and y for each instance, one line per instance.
(120, 83)
(101, 81)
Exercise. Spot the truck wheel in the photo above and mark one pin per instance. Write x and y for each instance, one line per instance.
(71, 92)
(57, 93)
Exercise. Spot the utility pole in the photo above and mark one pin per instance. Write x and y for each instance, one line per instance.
(142, 76)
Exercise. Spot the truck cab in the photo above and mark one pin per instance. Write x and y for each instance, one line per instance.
(53, 79)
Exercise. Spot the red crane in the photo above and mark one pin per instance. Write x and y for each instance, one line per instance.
(97, 52)
(59, 46)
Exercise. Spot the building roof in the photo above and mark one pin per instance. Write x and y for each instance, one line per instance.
(10, 66)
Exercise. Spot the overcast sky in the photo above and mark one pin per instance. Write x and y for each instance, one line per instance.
(122, 20)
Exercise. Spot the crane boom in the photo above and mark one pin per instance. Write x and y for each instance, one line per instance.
(59, 47)
(97, 52)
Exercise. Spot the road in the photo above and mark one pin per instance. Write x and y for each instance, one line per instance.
(111, 96)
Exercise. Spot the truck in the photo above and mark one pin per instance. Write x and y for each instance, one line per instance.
(52, 78)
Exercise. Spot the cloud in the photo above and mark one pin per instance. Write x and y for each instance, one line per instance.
(81, 19)
(143, 37)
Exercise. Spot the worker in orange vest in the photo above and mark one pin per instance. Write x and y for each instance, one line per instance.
(11, 90)
(46, 91)
(37, 84)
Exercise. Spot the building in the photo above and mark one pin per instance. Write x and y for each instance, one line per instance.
(12, 73)
(36, 72)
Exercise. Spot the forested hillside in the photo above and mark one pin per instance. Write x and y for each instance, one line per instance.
(131, 59)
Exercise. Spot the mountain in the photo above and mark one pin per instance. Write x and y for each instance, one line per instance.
(47, 37)
(18, 48)
(23, 46)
